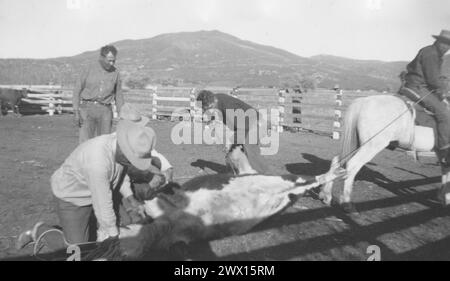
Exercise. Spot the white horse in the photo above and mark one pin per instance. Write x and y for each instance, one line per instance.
(369, 128)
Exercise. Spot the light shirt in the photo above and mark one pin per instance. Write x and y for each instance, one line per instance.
(88, 176)
(98, 84)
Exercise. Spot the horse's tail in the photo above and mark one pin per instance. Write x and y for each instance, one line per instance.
(350, 140)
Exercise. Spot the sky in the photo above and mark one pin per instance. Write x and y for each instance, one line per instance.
(388, 30)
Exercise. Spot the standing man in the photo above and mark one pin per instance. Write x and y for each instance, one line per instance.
(423, 79)
(226, 104)
(94, 93)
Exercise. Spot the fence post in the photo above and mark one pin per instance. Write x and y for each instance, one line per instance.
(59, 108)
(281, 107)
(337, 123)
(297, 97)
(51, 108)
(192, 103)
(155, 104)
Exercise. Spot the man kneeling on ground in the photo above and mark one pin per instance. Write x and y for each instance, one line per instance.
(84, 185)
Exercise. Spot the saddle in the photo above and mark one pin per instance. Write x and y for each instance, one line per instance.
(422, 116)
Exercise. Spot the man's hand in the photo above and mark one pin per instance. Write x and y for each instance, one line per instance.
(135, 207)
(157, 181)
(77, 120)
(168, 174)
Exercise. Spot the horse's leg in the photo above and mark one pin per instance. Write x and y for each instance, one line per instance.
(366, 153)
(326, 192)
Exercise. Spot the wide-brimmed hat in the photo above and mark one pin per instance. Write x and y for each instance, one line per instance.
(443, 37)
(130, 113)
(136, 142)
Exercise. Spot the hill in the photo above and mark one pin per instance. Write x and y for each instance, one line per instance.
(211, 58)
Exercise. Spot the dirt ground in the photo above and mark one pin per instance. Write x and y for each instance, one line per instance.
(394, 195)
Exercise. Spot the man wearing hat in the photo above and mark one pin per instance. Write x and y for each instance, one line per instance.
(424, 80)
(146, 184)
(84, 185)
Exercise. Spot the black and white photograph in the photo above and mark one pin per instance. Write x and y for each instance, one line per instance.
(246, 131)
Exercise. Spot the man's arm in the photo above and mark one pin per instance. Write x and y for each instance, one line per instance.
(132, 206)
(166, 167)
(165, 164)
(119, 94)
(79, 87)
(431, 68)
(125, 188)
(102, 202)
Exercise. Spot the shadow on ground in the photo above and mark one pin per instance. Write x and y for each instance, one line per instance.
(333, 245)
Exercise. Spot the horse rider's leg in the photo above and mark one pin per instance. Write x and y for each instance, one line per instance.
(444, 191)
(366, 153)
(442, 116)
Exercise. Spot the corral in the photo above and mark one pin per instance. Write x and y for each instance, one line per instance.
(394, 194)
(319, 111)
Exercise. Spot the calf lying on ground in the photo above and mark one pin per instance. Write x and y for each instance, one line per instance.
(215, 206)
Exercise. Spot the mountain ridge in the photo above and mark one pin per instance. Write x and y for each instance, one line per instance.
(212, 58)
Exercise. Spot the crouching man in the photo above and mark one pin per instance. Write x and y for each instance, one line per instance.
(243, 129)
(84, 185)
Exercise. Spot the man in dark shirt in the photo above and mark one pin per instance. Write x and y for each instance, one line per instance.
(423, 79)
(244, 132)
(99, 85)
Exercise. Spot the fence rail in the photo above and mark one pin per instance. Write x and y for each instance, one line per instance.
(319, 111)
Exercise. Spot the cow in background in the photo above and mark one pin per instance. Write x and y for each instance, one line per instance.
(10, 99)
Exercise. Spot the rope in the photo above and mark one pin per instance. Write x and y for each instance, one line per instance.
(351, 153)
(38, 246)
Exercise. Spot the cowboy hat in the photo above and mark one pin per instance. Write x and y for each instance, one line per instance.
(444, 37)
(129, 112)
(136, 142)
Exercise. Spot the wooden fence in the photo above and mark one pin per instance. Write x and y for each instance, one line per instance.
(320, 111)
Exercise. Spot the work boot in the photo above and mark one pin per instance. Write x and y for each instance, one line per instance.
(444, 158)
(28, 236)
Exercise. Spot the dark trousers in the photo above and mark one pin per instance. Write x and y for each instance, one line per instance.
(97, 120)
(78, 226)
(78, 223)
(432, 103)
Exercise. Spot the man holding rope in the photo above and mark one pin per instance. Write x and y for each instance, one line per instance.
(423, 80)
(85, 185)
